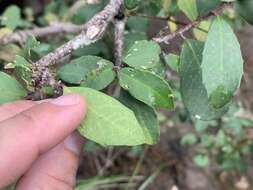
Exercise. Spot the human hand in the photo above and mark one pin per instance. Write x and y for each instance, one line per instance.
(37, 143)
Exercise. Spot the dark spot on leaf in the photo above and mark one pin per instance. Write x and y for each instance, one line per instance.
(220, 97)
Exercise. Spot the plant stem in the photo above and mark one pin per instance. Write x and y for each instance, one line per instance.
(167, 38)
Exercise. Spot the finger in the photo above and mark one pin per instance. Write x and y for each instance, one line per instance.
(32, 132)
(10, 109)
(55, 169)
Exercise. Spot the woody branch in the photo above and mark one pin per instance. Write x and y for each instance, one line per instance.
(92, 31)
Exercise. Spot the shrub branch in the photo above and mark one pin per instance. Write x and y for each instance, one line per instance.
(54, 29)
(92, 31)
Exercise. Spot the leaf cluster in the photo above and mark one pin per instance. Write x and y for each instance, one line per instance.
(123, 101)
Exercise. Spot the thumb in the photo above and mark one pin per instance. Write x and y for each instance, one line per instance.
(33, 132)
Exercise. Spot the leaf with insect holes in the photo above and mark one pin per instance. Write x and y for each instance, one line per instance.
(145, 115)
(222, 64)
(146, 87)
(88, 71)
(108, 122)
(11, 17)
(10, 89)
(189, 7)
(143, 54)
(132, 37)
(193, 91)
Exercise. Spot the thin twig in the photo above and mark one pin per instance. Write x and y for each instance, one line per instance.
(138, 165)
(54, 29)
(168, 18)
(167, 38)
(185, 23)
(97, 163)
(110, 161)
(107, 162)
(119, 23)
(152, 17)
(93, 31)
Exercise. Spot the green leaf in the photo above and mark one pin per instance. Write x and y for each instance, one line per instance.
(85, 13)
(40, 50)
(108, 122)
(222, 65)
(245, 9)
(100, 78)
(143, 54)
(30, 44)
(189, 7)
(97, 48)
(132, 37)
(167, 4)
(188, 139)
(10, 89)
(48, 91)
(193, 91)
(131, 4)
(172, 60)
(201, 160)
(88, 71)
(8, 52)
(159, 69)
(135, 23)
(205, 6)
(146, 87)
(199, 34)
(145, 115)
(201, 126)
(11, 17)
(23, 70)
(221, 139)
(207, 141)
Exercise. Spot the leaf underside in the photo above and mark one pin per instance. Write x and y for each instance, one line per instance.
(108, 122)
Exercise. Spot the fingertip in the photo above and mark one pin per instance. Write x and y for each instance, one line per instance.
(67, 100)
(74, 143)
(55, 169)
(74, 100)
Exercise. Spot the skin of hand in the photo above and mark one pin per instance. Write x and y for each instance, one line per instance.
(38, 143)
